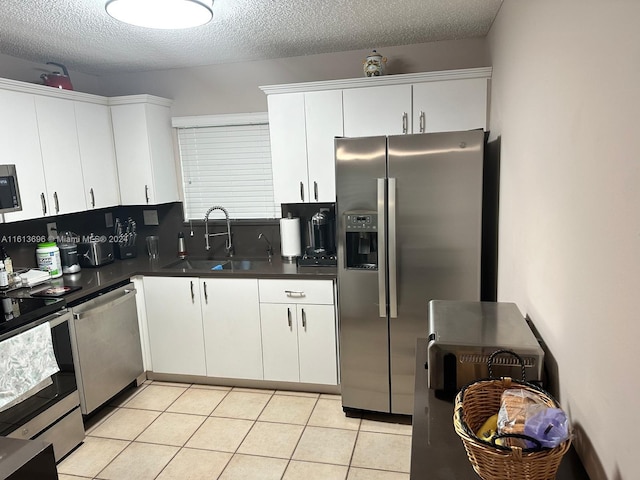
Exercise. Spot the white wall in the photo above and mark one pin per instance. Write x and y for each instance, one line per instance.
(233, 88)
(26, 71)
(565, 98)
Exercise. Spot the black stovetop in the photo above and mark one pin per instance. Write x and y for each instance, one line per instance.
(17, 312)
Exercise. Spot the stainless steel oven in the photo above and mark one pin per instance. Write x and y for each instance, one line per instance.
(51, 413)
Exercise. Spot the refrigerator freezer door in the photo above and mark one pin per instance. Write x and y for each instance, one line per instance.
(438, 197)
(364, 346)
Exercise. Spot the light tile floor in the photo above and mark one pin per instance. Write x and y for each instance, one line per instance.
(169, 431)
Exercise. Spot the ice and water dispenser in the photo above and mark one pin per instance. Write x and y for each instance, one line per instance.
(361, 242)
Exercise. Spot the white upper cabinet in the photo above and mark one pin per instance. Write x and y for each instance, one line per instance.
(64, 146)
(382, 110)
(144, 150)
(302, 127)
(97, 153)
(21, 146)
(452, 105)
(60, 155)
(323, 120)
(288, 147)
(304, 119)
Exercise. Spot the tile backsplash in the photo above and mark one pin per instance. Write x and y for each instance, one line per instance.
(20, 238)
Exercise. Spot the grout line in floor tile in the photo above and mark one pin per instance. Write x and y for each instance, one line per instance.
(134, 391)
(235, 452)
(112, 460)
(271, 394)
(379, 470)
(96, 425)
(300, 437)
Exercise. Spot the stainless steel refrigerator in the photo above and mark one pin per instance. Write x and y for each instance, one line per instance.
(409, 214)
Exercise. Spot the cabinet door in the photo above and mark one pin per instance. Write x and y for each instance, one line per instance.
(21, 146)
(97, 154)
(317, 344)
(279, 342)
(288, 147)
(371, 111)
(323, 120)
(133, 156)
(60, 154)
(450, 105)
(231, 320)
(174, 321)
(164, 187)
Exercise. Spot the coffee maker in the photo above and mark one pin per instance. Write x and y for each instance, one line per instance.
(68, 245)
(318, 232)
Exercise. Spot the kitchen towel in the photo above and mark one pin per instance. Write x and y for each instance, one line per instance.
(26, 360)
(290, 237)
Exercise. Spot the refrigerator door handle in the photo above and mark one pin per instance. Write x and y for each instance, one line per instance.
(382, 246)
(393, 291)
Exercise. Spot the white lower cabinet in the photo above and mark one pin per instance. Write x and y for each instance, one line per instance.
(231, 321)
(298, 339)
(317, 351)
(244, 328)
(174, 320)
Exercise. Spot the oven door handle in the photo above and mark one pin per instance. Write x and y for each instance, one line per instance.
(106, 306)
(61, 317)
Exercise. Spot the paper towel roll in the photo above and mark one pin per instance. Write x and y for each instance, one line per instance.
(290, 238)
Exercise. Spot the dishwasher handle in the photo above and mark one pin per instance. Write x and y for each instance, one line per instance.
(128, 293)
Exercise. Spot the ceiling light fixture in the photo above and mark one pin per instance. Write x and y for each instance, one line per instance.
(165, 14)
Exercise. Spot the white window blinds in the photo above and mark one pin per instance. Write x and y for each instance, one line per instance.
(228, 165)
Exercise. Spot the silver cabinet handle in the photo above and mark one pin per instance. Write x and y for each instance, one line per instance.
(289, 317)
(315, 190)
(304, 319)
(193, 297)
(382, 247)
(392, 250)
(93, 198)
(422, 122)
(294, 293)
(206, 296)
(405, 122)
(146, 193)
(44, 204)
(55, 201)
(301, 191)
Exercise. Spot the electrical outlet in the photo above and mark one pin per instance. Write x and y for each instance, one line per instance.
(150, 217)
(52, 231)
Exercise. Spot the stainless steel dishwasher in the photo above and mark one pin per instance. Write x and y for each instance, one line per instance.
(107, 353)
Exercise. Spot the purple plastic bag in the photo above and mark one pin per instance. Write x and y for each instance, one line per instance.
(549, 426)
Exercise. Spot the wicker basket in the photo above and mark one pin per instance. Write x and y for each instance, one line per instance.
(480, 400)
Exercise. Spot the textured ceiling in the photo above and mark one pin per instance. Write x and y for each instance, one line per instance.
(81, 35)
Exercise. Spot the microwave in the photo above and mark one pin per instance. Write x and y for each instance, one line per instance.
(464, 334)
(9, 191)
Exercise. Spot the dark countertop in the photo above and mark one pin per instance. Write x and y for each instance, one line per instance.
(437, 453)
(93, 280)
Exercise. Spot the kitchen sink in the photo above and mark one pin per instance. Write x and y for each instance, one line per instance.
(207, 265)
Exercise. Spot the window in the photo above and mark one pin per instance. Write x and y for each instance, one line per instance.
(226, 160)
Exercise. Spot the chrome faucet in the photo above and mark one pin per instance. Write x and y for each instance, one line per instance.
(229, 245)
(269, 247)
